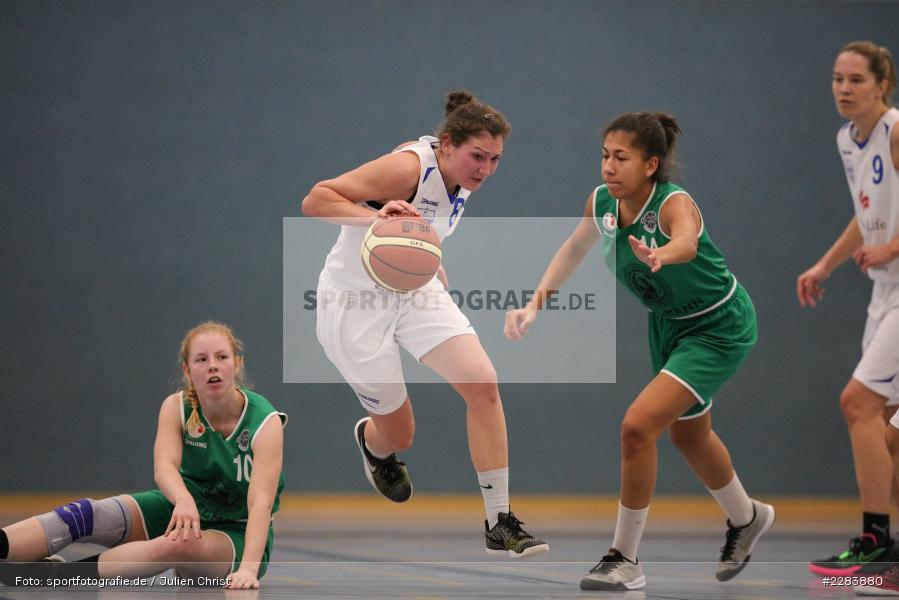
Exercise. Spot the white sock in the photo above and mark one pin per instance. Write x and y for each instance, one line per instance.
(376, 454)
(629, 531)
(368, 448)
(735, 501)
(495, 489)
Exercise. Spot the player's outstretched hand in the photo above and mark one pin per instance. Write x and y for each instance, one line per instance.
(518, 322)
(808, 286)
(644, 254)
(398, 208)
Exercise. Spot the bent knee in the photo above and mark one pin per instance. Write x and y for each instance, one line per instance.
(636, 434)
(482, 377)
(167, 551)
(857, 405)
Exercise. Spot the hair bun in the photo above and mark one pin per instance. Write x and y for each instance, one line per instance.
(456, 99)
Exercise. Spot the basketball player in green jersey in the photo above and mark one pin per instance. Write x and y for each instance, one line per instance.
(701, 327)
(217, 462)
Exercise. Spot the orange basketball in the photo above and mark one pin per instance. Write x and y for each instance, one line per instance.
(401, 253)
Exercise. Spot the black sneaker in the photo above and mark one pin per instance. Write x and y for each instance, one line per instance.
(862, 550)
(614, 572)
(882, 562)
(508, 537)
(387, 475)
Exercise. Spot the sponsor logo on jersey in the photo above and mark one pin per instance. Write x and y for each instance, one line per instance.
(609, 223)
(196, 431)
(650, 221)
(877, 224)
(243, 440)
(863, 199)
(849, 168)
(430, 202)
(654, 291)
(190, 442)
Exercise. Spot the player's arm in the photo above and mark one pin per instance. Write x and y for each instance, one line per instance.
(808, 284)
(894, 145)
(880, 254)
(564, 262)
(848, 242)
(391, 177)
(268, 453)
(680, 217)
(166, 462)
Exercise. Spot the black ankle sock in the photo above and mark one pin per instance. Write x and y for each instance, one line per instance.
(878, 525)
(4, 545)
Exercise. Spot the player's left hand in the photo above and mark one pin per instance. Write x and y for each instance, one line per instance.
(645, 254)
(873, 256)
(397, 208)
(243, 579)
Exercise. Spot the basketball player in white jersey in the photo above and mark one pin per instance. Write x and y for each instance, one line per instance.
(362, 326)
(864, 78)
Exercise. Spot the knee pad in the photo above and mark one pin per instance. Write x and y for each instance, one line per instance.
(106, 522)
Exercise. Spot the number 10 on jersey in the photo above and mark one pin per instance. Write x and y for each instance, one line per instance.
(243, 473)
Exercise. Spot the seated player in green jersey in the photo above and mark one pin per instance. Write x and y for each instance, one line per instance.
(701, 327)
(209, 519)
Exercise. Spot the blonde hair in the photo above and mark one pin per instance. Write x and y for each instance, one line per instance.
(189, 391)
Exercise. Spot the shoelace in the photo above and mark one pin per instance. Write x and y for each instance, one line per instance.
(389, 469)
(515, 526)
(730, 542)
(855, 548)
(608, 563)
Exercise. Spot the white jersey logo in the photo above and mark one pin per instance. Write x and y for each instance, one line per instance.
(650, 221)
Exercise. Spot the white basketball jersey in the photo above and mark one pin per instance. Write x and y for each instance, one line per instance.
(343, 267)
(874, 185)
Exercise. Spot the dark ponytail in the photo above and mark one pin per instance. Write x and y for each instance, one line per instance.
(653, 133)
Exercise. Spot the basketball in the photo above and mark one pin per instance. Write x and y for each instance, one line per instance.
(401, 253)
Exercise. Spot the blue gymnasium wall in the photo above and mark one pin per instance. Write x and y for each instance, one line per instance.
(150, 150)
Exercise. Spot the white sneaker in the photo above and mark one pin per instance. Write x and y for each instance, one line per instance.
(740, 540)
(614, 572)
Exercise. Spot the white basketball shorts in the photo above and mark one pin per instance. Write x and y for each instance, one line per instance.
(878, 370)
(362, 331)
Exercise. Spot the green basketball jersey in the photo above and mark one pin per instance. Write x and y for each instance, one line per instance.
(676, 291)
(216, 469)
